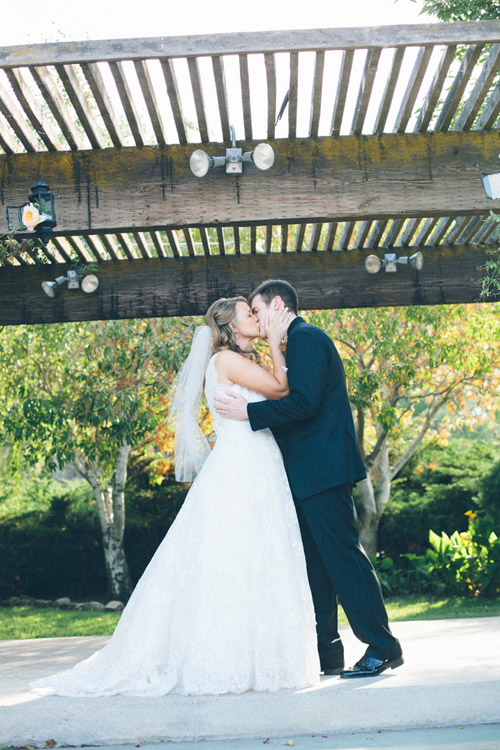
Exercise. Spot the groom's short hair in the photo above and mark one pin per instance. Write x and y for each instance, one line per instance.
(272, 288)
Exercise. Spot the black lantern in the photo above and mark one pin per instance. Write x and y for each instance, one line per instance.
(40, 199)
(44, 198)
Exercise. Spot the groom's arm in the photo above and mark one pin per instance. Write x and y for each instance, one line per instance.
(307, 363)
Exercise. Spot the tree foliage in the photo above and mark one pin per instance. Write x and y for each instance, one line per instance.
(462, 10)
(414, 373)
(88, 394)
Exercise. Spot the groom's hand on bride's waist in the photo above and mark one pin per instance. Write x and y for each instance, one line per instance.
(232, 406)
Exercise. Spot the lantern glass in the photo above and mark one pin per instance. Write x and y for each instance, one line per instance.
(15, 218)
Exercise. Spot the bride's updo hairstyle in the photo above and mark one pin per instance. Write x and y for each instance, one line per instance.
(220, 315)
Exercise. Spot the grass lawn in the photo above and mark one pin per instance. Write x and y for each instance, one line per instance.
(30, 622)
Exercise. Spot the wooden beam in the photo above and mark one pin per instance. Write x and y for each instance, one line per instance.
(187, 285)
(65, 53)
(348, 178)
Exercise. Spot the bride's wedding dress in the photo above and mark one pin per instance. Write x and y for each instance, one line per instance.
(224, 605)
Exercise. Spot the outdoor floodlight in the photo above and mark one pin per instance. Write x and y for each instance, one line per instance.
(88, 283)
(373, 264)
(491, 185)
(262, 156)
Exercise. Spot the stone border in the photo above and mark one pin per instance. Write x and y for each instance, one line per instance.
(62, 603)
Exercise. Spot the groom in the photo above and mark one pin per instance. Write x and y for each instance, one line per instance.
(315, 431)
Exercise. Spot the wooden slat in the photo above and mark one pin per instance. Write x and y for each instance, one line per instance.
(8, 142)
(128, 103)
(149, 94)
(362, 234)
(78, 248)
(489, 115)
(61, 246)
(426, 231)
(376, 234)
(82, 108)
(31, 107)
(457, 88)
(271, 94)
(341, 94)
(491, 232)
(237, 244)
(245, 97)
(315, 236)
(442, 227)
(189, 241)
(175, 99)
(157, 242)
(393, 232)
(299, 237)
(269, 238)
(294, 85)
(429, 105)
(172, 241)
(17, 120)
(220, 240)
(458, 227)
(284, 238)
(471, 230)
(204, 240)
(95, 80)
(386, 100)
(409, 231)
(126, 245)
(96, 249)
(479, 32)
(253, 239)
(346, 235)
(317, 90)
(412, 89)
(142, 245)
(330, 235)
(194, 75)
(109, 243)
(221, 88)
(47, 84)
(365, 91)
(480, 90)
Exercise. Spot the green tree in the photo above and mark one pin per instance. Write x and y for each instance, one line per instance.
(462, 10)
(412, 372)
(88, 394)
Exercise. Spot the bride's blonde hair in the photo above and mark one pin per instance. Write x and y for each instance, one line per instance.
(219, 317)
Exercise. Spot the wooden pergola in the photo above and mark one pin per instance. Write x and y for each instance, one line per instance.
(380, 148)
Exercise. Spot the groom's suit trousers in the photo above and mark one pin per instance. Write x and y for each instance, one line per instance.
(338, 567)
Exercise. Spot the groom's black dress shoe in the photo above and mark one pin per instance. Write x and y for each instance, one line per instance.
(368, 666)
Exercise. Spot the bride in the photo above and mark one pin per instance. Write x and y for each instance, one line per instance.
(224, 605)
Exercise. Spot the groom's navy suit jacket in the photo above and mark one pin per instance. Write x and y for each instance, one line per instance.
(313, 425)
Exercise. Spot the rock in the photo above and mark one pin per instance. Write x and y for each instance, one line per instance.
(97, 606)
(43, 603)
(13, 601)
(27, 601)
(63, 601)
(114, 606)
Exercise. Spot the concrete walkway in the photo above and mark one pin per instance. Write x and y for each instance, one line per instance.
(451, 677)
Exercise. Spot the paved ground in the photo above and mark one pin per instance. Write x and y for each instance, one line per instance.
(484, 737)
(451, 678)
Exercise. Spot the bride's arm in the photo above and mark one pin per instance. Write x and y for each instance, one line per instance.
(234, 368)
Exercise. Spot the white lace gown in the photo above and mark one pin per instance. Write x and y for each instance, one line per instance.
(224, 605)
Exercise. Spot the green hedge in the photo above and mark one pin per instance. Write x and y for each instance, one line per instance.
(56, 550)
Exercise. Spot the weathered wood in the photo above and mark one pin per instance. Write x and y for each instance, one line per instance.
(432, 97)
(315, 180)
(365, 91)
(480, 32)
(82, 107)
(54, 99)
(386, 99)
(245, 96)
(412, 89)
(199, 101)
(31, 107)
(221, 88)
(271, 94)
(319, 67)
(480, 90)
(186, 286)
(457, 88)
(341, 93)
(128, 102)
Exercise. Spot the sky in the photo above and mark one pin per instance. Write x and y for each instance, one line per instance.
(56, 20)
